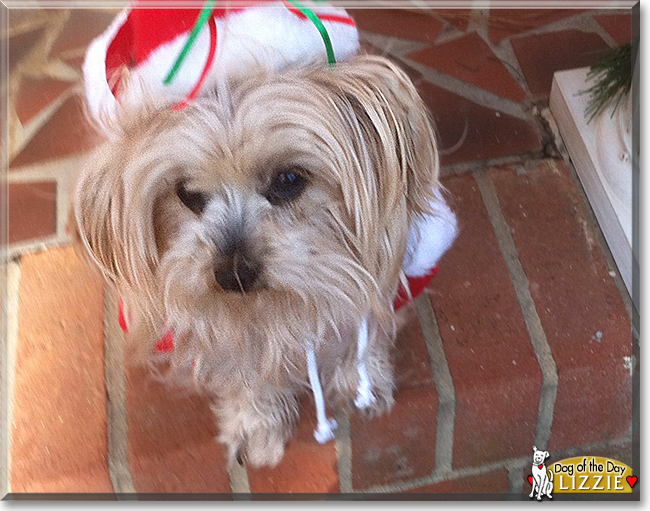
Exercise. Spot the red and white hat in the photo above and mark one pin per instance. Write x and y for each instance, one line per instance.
(145, 43)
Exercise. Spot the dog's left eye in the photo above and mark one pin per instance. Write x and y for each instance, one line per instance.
(194, 201)
(285, 186)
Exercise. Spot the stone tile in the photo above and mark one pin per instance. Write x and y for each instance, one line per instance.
(76, 62)
(59, 441)
(619, 26)
(172, 446)
(492, 482)
(508, 22)
(81, 28)
(412, 367)
(459, 18)
(398, 446)
(23, 17)
(398, 23)
(36, 94)
(20, 45)
(32, 210)
(496, 375)
(490, 134)
(542, 55)
(65, 134)
(577, 300)
(307, 466)
(471, 60)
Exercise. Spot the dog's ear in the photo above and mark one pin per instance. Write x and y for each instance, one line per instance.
(394, 123)
(390, 172)
(546, 454)
(114, 219)
(534, 449)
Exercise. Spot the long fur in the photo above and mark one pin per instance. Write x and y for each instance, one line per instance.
(362, 135)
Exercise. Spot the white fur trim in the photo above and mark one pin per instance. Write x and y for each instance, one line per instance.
(99, 97)
(429, 238)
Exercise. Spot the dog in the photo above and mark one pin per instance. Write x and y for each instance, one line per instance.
(542, 480)
(264, 227)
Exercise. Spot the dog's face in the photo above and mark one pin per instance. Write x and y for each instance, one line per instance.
(539, 457)
(287, 201)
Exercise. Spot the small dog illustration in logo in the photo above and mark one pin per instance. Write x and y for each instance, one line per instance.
(542, 480)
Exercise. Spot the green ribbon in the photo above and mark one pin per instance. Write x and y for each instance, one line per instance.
(331, 59)
(204, 16)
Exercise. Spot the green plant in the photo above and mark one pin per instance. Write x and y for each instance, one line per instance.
(613, 80)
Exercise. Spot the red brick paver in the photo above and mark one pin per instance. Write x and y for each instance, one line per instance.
(471, 60)
(32, 210)
(495, 371)
(172, 446)
(37, 94)
(66, 133)
(492, 482)
(580, 307)
(542, 55)
(398, 446)
(59, 440)
(307, 466)
(412, 367)
(508, 22)
(417, 26)
(489, 133)
(81, 28)
(619, 26)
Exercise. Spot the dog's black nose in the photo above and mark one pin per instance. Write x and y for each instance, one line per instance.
(237, 274)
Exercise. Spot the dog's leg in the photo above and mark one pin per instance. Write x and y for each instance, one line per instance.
(341, 389)
(380, 372)
(256, 427)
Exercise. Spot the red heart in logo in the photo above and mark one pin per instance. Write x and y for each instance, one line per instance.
(530, 480)
(631, 480)
(540, 466)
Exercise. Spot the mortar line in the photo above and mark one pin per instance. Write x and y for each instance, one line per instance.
(444, 384)
(11, 295)
(532, 320)
(343, 445)
(116, 412)
(515, 479)
(239, 483)
(506, 464)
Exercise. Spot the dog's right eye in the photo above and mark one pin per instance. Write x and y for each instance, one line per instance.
(195, 201)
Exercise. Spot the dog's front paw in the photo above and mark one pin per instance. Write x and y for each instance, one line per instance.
(381, 403)
(264, 447)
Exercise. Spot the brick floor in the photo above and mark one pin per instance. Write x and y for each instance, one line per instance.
(172, 446)
(398, 446)
(471, 60)
(307, 467)
(496, 375)
(430, 441)
(542, 55)
(492, 482)
(59, 436)
(580, 307)
(32, 210)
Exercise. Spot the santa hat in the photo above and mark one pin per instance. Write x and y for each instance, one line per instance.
(145, 44)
